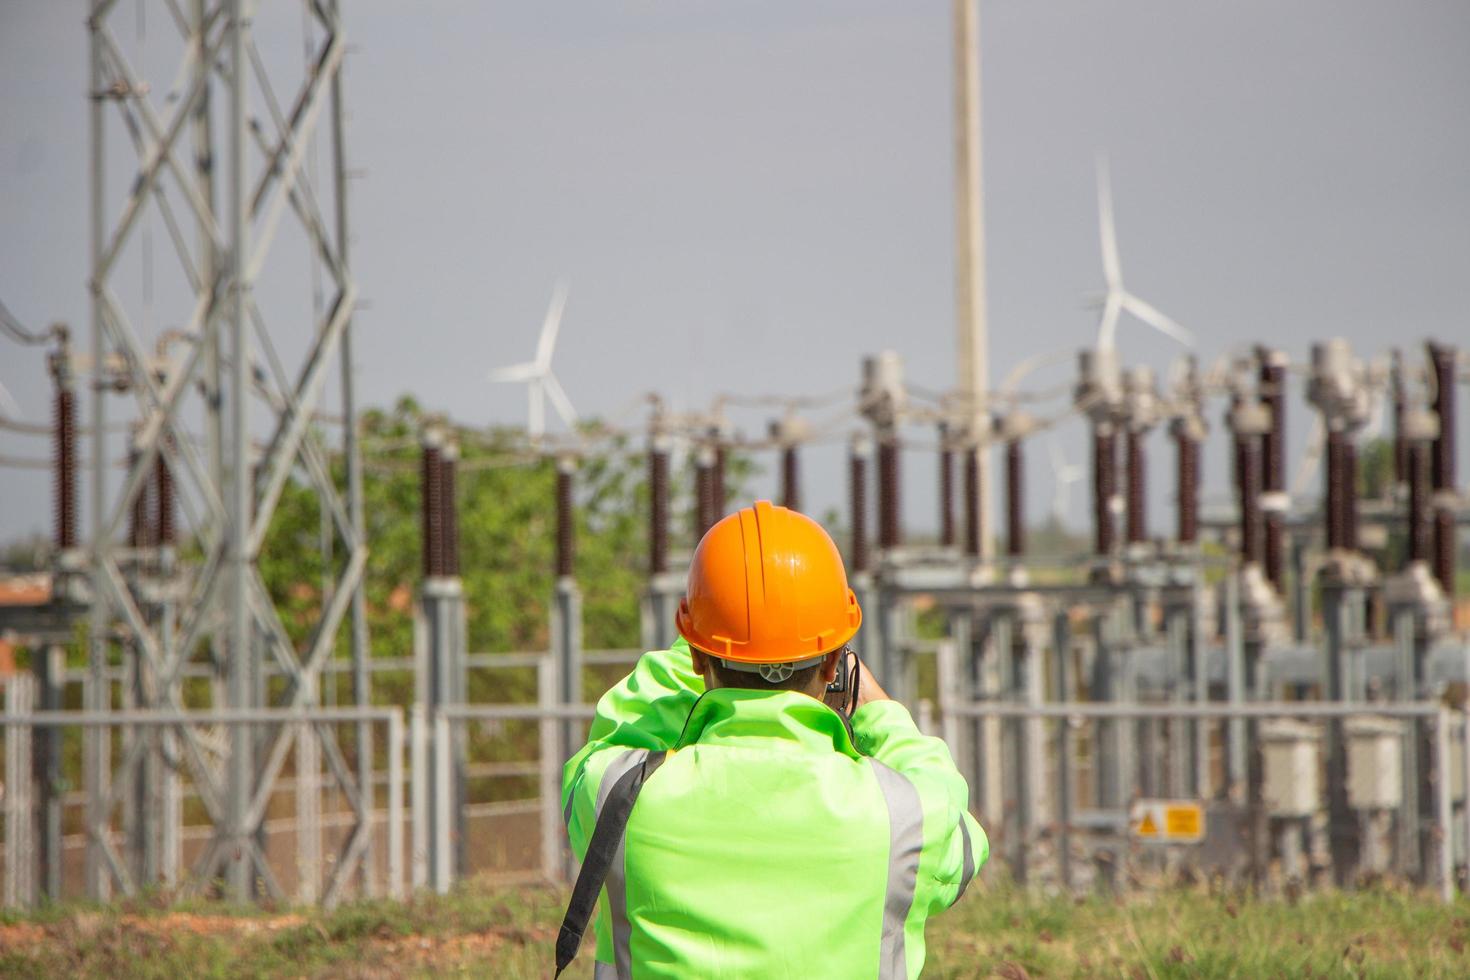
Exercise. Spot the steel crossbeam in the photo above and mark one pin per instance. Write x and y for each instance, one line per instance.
(228, 502)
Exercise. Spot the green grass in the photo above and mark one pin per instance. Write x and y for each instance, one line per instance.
(995, 931)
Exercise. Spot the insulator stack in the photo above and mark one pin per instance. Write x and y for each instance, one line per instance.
(1135, 464)
(1418, 431)
(946, 489)
(432, 524)
(1187, 479)
(139, 516)
(972, 501)
(1015, 500)
(1104, 477)
(658, 510)
(889, 535)
(704, 491)
(1401, 465)
(1442, 364)
(1272, 394)
(1335, 471)
(163, 482)
(717, 483)
(857, 487)
(449, 507)
(1350, 494)
(64, 466)
(790, 478)
(566, 518)
(1248, 452)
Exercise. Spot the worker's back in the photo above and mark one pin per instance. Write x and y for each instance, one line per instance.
(771, 841)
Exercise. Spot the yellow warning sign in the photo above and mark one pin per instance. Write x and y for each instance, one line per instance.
(1167, 821)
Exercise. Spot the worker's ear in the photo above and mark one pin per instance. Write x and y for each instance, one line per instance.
(698, 661)
(829, 666)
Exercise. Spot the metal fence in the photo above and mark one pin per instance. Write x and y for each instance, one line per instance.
(307, 835)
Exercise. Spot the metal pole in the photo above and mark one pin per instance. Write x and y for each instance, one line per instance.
(97, 742)
(973, 361)
(1062, 650)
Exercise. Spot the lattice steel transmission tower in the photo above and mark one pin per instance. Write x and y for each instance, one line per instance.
(221, 160)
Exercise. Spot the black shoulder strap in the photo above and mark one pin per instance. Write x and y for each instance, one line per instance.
(601, 850)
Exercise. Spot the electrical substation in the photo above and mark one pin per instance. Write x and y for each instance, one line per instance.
(1273, 692)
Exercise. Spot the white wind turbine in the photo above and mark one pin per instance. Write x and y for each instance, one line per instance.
(1117, 298)
(1063, 475)
(540, 382)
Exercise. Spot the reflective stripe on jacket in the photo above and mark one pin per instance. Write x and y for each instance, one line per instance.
(770, 842)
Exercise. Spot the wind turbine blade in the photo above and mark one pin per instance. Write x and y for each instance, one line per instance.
(1112, 274)
(1107, 330)
(560, 401)
(8, 403)
(551, 326)
(1150, 315)
(516, 372)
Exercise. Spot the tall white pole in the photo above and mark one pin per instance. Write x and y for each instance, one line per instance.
(974, 346)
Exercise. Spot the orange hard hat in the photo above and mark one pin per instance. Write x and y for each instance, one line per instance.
(767, 586)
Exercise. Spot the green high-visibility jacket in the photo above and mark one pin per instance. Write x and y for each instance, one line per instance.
(771, 842)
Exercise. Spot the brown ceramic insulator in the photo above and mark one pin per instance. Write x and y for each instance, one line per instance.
(1442, 363)
(704, 501)
(163, 482)
(1104, 474)
(717, 485)
(1273, 452)
(1421, 528)
(1135, 465)
(1400, 444)
(1248, 453)
(566, 537)
(889, 532)
(790, 478)
(946, 497)
(658, 512)
(140, 518)
(64, 468)
(1336, 442)
(1444, 550)
(857, 486)
(432, 524)
(1350, 495)
(1015, 500)
(449, 510)
(1187, 477)
(972, 501)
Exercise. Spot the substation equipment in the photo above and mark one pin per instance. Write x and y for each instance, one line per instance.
(1185, 667)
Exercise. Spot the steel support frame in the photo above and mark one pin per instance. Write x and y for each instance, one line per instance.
(233, 247)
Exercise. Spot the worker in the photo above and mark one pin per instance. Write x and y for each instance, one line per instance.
(750, 803)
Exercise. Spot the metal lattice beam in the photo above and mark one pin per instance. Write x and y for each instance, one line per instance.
(229, 497)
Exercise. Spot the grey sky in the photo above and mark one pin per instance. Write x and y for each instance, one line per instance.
(750, 197)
